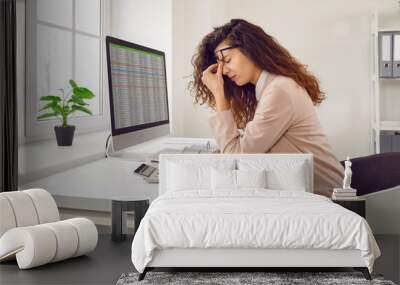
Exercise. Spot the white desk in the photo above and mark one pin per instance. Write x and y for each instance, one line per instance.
(93, 185)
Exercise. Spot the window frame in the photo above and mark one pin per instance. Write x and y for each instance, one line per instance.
(44, 129)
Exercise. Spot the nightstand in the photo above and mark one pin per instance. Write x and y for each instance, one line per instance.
(357, 205)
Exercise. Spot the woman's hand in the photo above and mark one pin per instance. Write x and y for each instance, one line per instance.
(215, 83)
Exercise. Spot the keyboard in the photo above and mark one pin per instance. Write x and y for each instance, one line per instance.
(196, 148)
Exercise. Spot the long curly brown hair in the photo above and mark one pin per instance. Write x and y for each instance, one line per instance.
(264, 51)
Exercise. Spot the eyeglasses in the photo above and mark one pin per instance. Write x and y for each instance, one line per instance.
(221, 50)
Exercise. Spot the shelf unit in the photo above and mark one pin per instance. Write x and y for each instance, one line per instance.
(385, 113)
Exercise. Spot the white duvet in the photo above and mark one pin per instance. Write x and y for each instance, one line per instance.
(253, 218)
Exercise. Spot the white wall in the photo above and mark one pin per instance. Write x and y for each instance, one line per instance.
(331, 37)
(147, 23)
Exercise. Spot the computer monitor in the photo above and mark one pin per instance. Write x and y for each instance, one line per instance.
(138, 93)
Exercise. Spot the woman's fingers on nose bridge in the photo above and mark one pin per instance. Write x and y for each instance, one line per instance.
(224, 69)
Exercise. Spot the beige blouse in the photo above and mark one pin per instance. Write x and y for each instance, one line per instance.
(285, 121)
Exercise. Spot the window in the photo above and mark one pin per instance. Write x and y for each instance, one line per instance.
(64, 40)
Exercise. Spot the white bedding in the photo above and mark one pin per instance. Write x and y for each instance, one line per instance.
(251, 218)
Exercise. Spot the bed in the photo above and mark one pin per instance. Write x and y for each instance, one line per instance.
(247, 210)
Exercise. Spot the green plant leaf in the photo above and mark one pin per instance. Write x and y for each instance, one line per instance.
(81, 108)
(47, 115)
(83, 93)
(47, 106)
(77, 100)
(54, 106)
(57, 108)
(50, 98)
(73, 83)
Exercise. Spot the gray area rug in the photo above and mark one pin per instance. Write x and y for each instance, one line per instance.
(229, 278)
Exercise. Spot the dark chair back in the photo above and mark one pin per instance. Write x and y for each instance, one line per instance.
(375, 172)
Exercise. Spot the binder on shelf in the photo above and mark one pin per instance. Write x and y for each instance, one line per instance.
(385, 54)
(396, 54)
(386, 142)
(390, 141)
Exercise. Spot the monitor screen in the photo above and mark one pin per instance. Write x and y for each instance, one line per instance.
(137, 85)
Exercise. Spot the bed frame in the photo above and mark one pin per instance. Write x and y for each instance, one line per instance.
(249, 259)
(240, 259)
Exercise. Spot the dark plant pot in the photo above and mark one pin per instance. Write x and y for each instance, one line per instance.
(64, 135)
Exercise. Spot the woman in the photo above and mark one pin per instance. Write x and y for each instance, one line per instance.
(263, 97)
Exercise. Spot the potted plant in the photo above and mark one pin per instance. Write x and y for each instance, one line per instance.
(63, 106)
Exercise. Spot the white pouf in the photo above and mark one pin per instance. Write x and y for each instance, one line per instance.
(31, 232)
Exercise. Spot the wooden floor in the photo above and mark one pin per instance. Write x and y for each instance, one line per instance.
(111, 259)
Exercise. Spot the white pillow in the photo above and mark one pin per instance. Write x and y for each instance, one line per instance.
(251, 178)
(223, 179)
(184, 178)
(293, 179)
(185, 175)
(227, 179)
(288, 175)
